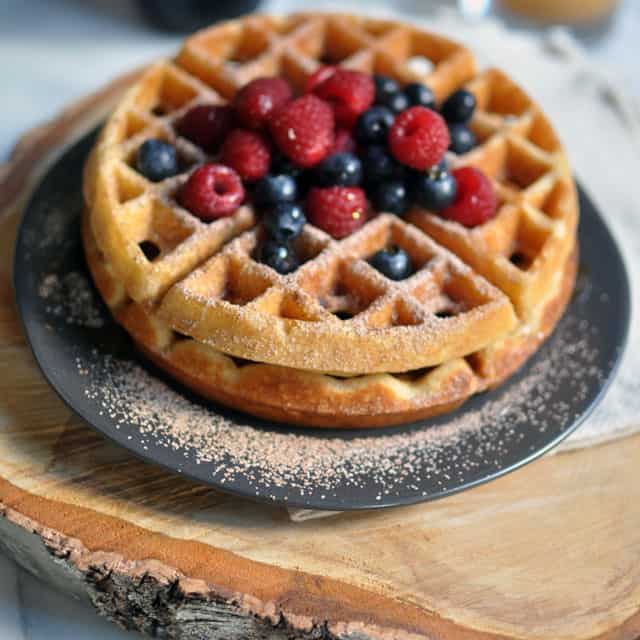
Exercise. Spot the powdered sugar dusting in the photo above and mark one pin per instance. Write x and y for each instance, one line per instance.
(293, 464)
(71, 297)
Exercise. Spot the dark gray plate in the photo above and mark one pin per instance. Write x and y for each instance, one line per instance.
(91, 363)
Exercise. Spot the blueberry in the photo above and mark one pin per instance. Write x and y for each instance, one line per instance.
(393, 262)
(443, 165)
(340, 169)
(390, 197)
(434, 190)
(462, 139)
(459, 106)
(397, 102)
(378, 165)
(157, 160)
(385, 88)
(275, 188)
(284, 221)
(374, 124)
(389, 94)
(279, 256)
(281, 165)
(420, 95)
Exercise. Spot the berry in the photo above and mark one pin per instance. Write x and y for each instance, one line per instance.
(443, 165)
(275, 188)
(378, 165)
(281, 165)
(318, 77)
(284, 221)
(434, 190)
(419, 95)
(344, 141)
(247, 152)
(337, 210)
(212, 191)
(459, 106)
(476, 200)
(398, 103)
(390, 197)
(385, 88)
(157, 160)
(393, 262)
(389, 94)
(350, 93)
(303, 130)
(462, 139)
(257, 101)
(279, 256)
(206, 125)
(374, 124)
(340, 169)
(419, 138)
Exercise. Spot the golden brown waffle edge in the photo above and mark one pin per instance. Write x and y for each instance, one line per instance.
(459, 313)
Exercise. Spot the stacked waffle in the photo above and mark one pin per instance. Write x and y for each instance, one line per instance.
(335, 343)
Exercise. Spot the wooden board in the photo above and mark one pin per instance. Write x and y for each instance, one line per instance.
(549, 552)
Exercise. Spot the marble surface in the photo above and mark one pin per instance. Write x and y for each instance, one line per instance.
(73, 47)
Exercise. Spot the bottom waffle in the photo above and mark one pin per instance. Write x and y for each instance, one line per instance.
(322, 400)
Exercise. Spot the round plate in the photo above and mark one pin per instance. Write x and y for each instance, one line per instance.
(91, 363)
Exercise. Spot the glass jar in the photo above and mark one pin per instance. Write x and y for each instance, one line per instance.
(580, 13)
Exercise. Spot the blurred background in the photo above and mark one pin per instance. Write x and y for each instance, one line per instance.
(578, 57)
(53, 51)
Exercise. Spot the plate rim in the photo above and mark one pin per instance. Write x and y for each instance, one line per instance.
(624, 313)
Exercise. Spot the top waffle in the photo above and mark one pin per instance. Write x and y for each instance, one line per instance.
(335, 313)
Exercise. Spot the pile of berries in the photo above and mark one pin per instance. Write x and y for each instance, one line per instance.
(351, 143)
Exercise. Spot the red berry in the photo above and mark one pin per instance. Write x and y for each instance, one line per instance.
(476, 200)
(344, 142)
(318, 77)
(350, 93)
(419, 138)
(303, 130)
(206, 124)
(247, 152)
(259, 99)
(212, 191)
(337, 210)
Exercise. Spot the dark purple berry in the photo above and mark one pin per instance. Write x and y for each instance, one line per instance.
(284, 221)
(392, 262)
(157, 160)
(279, 256)
(459, 106)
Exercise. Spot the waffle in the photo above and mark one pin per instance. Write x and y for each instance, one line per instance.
(334, 343)
(322, 400)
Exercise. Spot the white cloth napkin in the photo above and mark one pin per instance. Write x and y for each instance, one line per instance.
(599, 123)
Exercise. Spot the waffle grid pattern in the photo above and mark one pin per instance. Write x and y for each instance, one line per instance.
(202, 280)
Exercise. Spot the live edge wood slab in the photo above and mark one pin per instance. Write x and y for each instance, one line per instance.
(549, 552)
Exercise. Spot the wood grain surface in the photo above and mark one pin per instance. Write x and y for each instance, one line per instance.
(549, 552)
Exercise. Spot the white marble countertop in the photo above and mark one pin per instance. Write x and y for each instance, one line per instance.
(55, 51)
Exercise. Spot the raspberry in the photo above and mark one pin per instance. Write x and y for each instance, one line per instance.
(303, 129)
(337, 210)
(350, 93)
(476, 200)
(259, 99)
(318, 77)
(247, 152)
(206, 125)
(212, 191)
(419, 138)
(344, 142)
